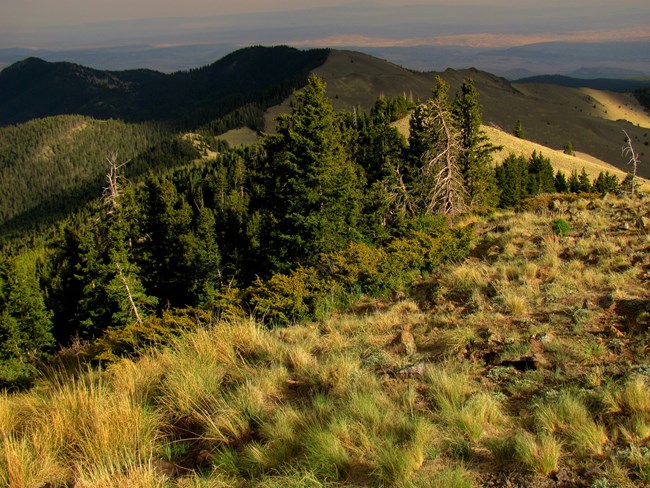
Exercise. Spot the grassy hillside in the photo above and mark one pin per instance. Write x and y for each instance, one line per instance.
(561, 161)
(524, 365)
(551, 115)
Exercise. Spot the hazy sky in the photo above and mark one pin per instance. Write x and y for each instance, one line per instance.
(58, 23)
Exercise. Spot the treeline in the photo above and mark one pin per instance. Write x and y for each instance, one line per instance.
(520, 178)
(331, 206)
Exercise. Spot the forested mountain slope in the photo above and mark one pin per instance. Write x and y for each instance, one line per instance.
(54, 165)
(245, 83)
(551, 115)
(35, 88)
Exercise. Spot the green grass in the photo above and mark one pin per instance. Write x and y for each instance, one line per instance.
(324, 403)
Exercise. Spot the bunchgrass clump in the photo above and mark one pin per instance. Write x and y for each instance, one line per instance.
(569, 416)
(541, 454)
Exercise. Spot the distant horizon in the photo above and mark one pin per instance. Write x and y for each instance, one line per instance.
(505, 37)
(72, 24)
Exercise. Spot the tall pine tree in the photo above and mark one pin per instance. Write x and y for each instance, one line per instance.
(475, 158)
(313, 188)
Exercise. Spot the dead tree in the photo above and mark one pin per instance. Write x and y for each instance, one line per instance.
(445, 191)
(111, 197)
(632, 159)
(113, 190)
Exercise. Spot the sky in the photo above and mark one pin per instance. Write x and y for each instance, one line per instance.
(92, 23)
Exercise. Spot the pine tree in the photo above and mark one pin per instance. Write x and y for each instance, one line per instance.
(540, 170)
(584, 183)
(475, 158)
(166, 240)
(112, 294)
(25, 322)
(512, 178)
(568, 149)
(606, 183)
(202, 260)
(380, 150)
(518, 131)
(560, 182)
(574, 182)
(313, 188)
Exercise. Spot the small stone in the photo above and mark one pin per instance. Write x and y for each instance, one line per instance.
(165, 468)
(565, 476)
(411, 371)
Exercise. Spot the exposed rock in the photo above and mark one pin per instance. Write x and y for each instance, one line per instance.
(404, 343)
(411, 371)
(544, 337)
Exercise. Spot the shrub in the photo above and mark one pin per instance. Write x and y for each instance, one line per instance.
(286, 299)
(561, 227)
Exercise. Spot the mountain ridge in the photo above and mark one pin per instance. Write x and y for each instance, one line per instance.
(551, 114)
(34, 88)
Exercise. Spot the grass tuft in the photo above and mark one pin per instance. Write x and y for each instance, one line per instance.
(541, 454)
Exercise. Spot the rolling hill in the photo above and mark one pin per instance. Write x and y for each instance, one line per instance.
(250, 81)
(551, 115)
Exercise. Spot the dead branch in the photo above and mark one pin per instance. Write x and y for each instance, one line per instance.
(633, 158)
(446, 193)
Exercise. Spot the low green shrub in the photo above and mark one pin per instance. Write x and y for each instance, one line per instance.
(561, 227)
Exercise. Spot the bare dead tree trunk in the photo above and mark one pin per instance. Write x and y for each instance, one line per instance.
(633, 159)
(446, 193)
(112, 192)
(399, 194)
(128, 293)
(111, 198)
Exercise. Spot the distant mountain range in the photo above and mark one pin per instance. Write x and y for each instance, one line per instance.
(587, 60)
(261, 79)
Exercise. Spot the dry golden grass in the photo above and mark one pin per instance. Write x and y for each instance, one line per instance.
(619, 106)
(518, 363)
(513, 145)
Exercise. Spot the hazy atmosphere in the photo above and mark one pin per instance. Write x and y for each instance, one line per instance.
(75, 23)
(419, 34)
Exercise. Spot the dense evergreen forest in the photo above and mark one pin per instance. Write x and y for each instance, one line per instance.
(330, 207)
(606, 84)
(643, 95)
(237, 88)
